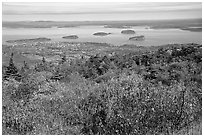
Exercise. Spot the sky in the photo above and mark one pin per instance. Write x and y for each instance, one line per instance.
(100, 11)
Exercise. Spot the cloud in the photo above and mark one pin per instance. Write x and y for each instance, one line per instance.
(94, 8)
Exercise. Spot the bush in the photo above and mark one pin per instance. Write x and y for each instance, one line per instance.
(95, 97)
(129, 105)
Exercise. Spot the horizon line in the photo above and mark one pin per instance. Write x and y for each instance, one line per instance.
(104, 20)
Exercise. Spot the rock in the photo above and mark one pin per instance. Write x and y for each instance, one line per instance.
(141, 37)
(101, 34)
(70, 37)
(128, 32)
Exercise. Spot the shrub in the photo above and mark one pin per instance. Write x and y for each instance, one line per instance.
(11, 70)
(129, 105)
(159, 98)
(16, 119)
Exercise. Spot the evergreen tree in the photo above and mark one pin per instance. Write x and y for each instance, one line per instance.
(43, 60)
(24, 68)
(42, 66)
(25, 65)
(63, 59)
(11, 69)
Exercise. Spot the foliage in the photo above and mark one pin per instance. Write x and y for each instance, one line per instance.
(11, 70)
(156, 92)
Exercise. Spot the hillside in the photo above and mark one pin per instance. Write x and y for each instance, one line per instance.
(88, 88)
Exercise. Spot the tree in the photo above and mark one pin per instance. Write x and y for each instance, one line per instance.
(11, 69)
(25, 65)
(43, 60)
(63, 59)
(25, 70)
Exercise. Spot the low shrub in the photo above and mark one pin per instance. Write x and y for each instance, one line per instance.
(128, 105)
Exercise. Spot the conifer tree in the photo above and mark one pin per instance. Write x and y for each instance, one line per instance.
(11, 69)
(63, 59)
(43, 60)
(25, 65)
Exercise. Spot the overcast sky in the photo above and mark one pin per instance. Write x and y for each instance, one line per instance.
(102, 11)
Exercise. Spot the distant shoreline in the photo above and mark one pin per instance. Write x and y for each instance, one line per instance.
(182, 24)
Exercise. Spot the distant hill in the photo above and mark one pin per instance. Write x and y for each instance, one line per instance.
(181, 23)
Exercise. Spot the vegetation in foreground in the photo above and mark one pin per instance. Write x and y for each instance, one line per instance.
(158, 92)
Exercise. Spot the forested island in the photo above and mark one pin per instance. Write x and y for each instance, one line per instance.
(128, 32)
(29, 40)
(141, 37)
(101, 33)
(70, 37)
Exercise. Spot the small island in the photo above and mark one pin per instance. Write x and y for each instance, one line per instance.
(29, 40)
(192, 29)
(141, 37)
(70, 37)
(101, 34)
(128, 31)
(117, 26)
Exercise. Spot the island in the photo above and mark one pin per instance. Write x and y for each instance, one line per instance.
(141, 37)
(117, 26)
(128, 31)
(101, 34)
(193, 29)
(70, 37)
(29, 40)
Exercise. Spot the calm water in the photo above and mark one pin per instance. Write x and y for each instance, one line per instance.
(85, 34)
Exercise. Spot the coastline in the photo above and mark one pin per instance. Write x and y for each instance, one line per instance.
(154, 24)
